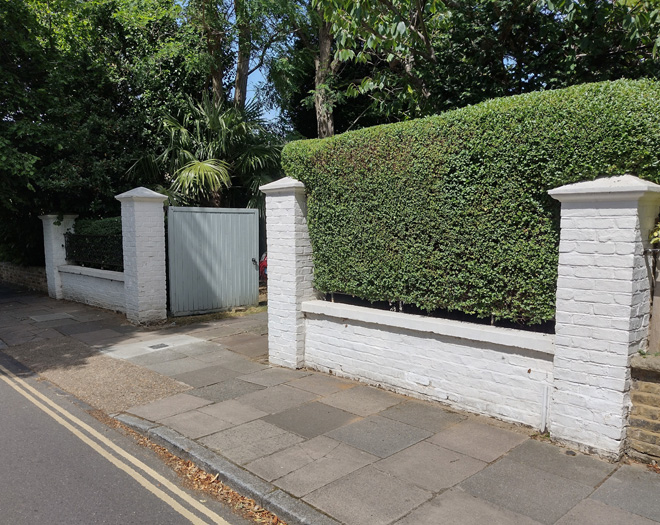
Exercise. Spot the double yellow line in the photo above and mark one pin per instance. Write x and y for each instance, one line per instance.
(122, 460)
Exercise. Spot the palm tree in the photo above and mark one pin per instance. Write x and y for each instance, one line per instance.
(216, 154)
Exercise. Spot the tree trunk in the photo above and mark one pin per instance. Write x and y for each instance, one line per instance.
(325, 122)
(244, 50)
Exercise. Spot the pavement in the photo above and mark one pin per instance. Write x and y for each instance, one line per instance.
(312, 447)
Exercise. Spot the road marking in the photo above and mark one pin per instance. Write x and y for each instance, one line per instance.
(23, 388)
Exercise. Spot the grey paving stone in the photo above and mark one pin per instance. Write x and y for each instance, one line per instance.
(363, 400)
(277, 398)
(379, 436)
(177, 366)
(291, 459)
(233, 412)
(367, 497)
(430, 467)
(81, 327)
(240, 364)
(592, 512)
(421, 414)
(168, 406)
(195, 424)
(226, 390)
(51, 317)
(153, 358)
(456, 507)
(247, 442)
(526, 490)
(322, 384)
(206, 376)
(202, 348)
(311, 419)
(97, 337)
(478, 440)
(335, 464)
(583, 469)
(247, 344)
(273, 376)
(634, 489)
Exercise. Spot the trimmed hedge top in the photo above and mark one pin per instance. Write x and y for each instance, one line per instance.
(107, 226)
(452, 212)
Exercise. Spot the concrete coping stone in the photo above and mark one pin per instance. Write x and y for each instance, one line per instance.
(285, 185)
(647, 362)
(292, 510)
(141, 194)
(92, 272)
(508, 337)
(622, 187)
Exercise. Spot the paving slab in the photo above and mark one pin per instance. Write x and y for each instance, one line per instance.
(421, 414)
(379, 436)
(456, 507)
(367, 497)
(51, 317)
(237, 363)
(152, 358)
(233, 412)
(277, 398)
(478, 440)
(226, 390)
(195, 424)
(430, 467)
(81, 327)
(363, 400)
(247, 442)
(206, 376)
(168, 406)
(526, 490)
(97, 337)
(148, 343)
(250, 345)
(322, 384)
(293, 458)
(201, 347)
(337, 463)
(178, 366)
(273, 376)
(593, 512)
(634, 489)
(587, 470)
(311, 419)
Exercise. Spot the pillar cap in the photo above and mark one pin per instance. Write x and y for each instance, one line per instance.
(141, 194)
(619, 188)
(285, 185)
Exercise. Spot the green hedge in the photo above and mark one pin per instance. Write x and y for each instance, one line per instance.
(452, 212)
(108, 226)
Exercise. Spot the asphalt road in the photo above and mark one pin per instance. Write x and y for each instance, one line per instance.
(59, 465)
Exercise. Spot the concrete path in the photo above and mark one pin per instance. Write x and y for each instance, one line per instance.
(320, 448)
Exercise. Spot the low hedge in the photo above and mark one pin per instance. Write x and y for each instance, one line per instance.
(108, 226)
(452, 212)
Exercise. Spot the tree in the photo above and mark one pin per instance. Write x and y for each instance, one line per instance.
(217, 154)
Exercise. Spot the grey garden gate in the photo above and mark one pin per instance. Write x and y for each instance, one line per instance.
(213, 256)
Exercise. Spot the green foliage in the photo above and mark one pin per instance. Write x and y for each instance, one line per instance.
(214, 147)
(452, 211)
(107, 226)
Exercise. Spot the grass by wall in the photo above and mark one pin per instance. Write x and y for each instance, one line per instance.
(452, 212)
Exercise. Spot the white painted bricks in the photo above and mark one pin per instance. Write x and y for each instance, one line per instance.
(602, 307)
(55, 254)
(143, 231)
(290, 270)
(101, 288)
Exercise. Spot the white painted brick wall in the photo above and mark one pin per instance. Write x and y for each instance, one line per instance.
(143, 231)
(478, 372)
(101, 288)
(602, 307)
(290, 270)
(54, 251)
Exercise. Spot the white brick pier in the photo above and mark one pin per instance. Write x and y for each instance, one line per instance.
(575, 383)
